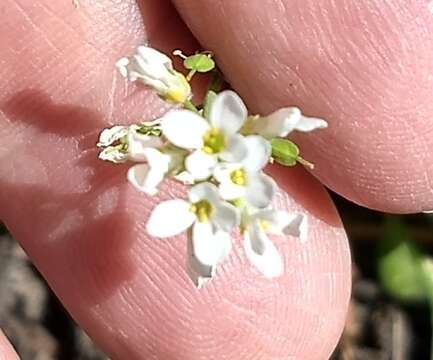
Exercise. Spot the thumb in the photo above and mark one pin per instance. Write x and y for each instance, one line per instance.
(365, 66)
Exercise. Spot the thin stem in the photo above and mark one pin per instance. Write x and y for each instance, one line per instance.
(306, 163)
(191, 74)
(190, 106)
(217, 82)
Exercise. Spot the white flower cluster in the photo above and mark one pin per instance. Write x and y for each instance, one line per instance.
(220, 152)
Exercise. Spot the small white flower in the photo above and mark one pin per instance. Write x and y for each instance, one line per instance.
(147, 176)
(158, 163)
(215, 139)
(185, 178)
(113, 141)
(123, 143)
(111, 135)
(282, 122)
(155, 70)
(138, 143)
(246, 180)
(259, 248)
(209, 217)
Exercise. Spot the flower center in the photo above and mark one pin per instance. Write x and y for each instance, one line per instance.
(239, 177)
(202, 209)
(213, 141)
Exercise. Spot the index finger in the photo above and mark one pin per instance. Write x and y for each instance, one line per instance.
(364, 66)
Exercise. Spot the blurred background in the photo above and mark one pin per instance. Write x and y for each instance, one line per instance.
(389, 315)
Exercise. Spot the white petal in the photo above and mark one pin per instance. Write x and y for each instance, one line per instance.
(156, 62)
(225, 216)
(228, 112)
(157, 159)
(257, 237)
(146, 177)
(203, 191)
(209, 247)
(278, 124)
(184, 129)
(138, 143)
(235, 149)
(200, 165)
(170, 218)
(111, 153)
(138, 176)
(222, 171)
(283, 222)
(260, 190)
(147, 64)
(280, 221)
(109, 136)
(158, 85)
(262, 252)
(258, 153)
(177, 159)
(227, 188)
(149, 123)
(309, 124)
(134, 68)
(200, 274)
(185, 178)
(122, 66)
(230, 191)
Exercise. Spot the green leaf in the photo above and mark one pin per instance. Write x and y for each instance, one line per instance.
(401, 267)
(199, 62)
(284, 152)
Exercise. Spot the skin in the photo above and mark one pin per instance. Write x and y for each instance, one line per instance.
(83, 225)
(7, 352)
(363, 66)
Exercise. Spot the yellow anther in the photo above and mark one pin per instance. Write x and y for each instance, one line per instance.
(213, 141)
(202, 209)
(239, 177)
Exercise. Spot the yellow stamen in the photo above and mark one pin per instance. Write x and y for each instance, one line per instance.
(214, 141)
(239, 177)
(202, 209)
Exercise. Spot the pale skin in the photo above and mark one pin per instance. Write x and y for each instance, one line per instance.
(364, 66)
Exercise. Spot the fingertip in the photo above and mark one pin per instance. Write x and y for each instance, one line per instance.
(364, 67)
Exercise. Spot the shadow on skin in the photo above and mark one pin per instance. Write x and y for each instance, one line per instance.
(88, 229)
